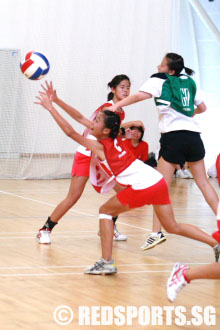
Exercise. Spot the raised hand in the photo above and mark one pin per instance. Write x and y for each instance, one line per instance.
(138, 123)
(44, 100)
(50, 91)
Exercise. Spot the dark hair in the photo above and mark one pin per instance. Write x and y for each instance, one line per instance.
(176, 63)
(112, 120)
(140, 129)
(115, 82)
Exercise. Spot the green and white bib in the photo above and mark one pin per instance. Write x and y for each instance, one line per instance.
(175, 98)
(179, 93)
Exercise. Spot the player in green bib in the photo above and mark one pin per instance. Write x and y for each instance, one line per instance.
(178, 101)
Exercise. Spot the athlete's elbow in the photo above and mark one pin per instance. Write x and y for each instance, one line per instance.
(141, 96)
(201, 108)
(69, 132)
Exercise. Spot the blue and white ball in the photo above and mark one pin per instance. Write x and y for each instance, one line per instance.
(35, 66)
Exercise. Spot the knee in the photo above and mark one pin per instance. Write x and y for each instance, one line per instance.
(174, 229)
(103, 210)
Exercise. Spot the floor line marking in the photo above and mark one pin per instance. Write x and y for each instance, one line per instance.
(83, 266)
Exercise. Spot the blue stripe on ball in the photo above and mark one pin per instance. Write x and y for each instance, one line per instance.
(43, 58)
(36, 74)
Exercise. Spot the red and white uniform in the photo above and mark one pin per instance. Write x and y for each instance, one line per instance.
(140, 151)
(81, 163)
(145, 185)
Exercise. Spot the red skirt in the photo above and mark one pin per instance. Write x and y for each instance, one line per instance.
(157, 194)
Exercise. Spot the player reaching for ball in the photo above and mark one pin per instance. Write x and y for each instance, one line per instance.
(120, 88)
(143, 184)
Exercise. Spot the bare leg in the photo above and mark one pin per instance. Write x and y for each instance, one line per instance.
(211, 271)
(75, 191)
(111, 207)
(106, 232)
(199, 174)
(167, 170)
(166, 217)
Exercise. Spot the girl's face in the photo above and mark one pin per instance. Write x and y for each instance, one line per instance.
(121, 91)
(136, 134)
(163, 67)
(98, 126)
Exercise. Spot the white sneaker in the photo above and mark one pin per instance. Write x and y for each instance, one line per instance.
(43, 236)
(102, 267)
(153, 240)
(188, 174)
(176, 281)
(180, 174)
(118, 236)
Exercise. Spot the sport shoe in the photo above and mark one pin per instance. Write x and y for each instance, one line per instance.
(43, 236)
(188, 174)
(102, 267)
(153, 240)
(217, 252)
(118, 236)
(176, 281)
(181, 174)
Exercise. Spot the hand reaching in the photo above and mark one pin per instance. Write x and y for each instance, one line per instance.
(50, 91)
(45, 101)
(113, 108)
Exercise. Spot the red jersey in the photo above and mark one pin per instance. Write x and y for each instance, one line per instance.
(86, 151)
(140, 151)
(121, 165)
(118, 156)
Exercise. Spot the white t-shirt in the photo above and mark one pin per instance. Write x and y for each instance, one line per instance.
(170, 119)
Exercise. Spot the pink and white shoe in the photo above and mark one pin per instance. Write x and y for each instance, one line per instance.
(176, 281)
(43, 236)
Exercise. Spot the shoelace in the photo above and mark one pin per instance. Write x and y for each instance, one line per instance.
(98, 265)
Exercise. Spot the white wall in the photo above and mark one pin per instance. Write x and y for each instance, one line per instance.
(87, 43)
(201, 51)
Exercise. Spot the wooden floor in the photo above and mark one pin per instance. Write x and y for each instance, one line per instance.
(36, 279)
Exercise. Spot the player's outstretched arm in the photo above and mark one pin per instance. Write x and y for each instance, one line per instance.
(95, 146)
(131, 99)
(72, 112)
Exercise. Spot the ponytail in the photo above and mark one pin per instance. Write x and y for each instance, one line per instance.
(176, 63)
(189, 71)
(110, 96)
